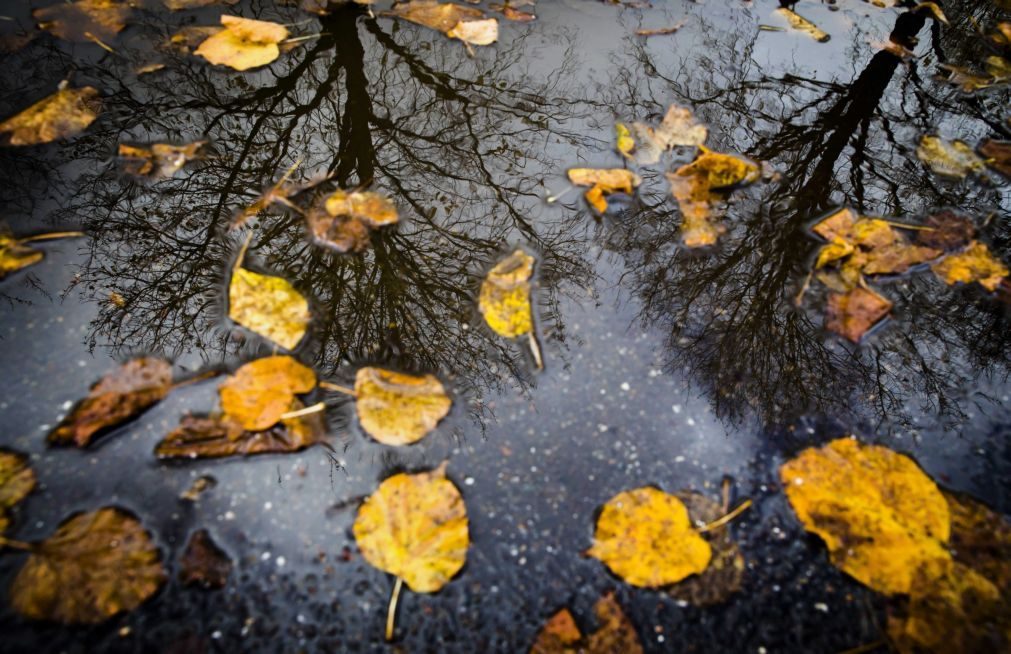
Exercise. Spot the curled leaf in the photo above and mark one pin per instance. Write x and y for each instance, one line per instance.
(243, 43)
(505, 300)
(615, 633)
(949, 158)
(203, 563)
(61, 115)
(347, 218)
(269, 306)
(602, 182)
(120, 395)
(261, 391)
(645, 537)
(853, 313)
(399, 409)
(16, 480)
(94, 566)
(158, 160)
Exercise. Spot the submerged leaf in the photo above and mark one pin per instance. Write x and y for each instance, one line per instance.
(269, 306)
(243, 43)
(948, 231)
(725, 573)
(94, 566)
(883, 520)
(159, 160)
(84, 20)
(645, 537)
(505, 297)
(802, 24)
(203, 563)
(16, 481)
(949, 158)
(602, 182)
(614, 635)
(974, 264)
(121, 394)
(980, 538)
(415, 528)
(261, 391)
(399, 409)
(61, 115)
(852, 313)
(176, 5)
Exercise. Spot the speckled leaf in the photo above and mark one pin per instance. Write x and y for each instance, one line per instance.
(505, 297)
(262, 390)
(399, 409)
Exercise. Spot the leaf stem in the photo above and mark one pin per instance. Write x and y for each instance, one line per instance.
(16, 544)
(50, 236)
(922, 228)
(558, 196)
(535, 349)
(391, 613)
(242, 252)
(315, 408)
(338, 388)
(719, 522)
(869, 647)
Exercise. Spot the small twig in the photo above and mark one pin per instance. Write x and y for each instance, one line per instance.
(555, 198)
(315, 408)
(16, 544)
(719, 522)
(922, 228)
(725, 493)
(470, 50)
(338, 388)
(299, 39)
(535, 350)
(391, 613)
(242, 252)
(99, 42)
(50, 236)
(869, 647)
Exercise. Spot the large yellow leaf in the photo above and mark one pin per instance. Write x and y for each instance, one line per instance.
(883, 520)
(261, 391)
(63, 114)
(94, 566)
(505, 300)
(399, 409)
(974, 264)
(269, 306)
(604, 182)
(243, 43)
(614, 635)
(645, 537)
(16, 481)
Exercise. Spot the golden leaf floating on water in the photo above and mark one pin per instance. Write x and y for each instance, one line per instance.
(475, 32)
(94, 566)
(933, 9)
(678, 128)
(158, 160)
(645, 537)
(974, 264)
(998, 155)
(399, 409)
(16, 481)
(243, 43)
(853, 313)
(84, 20)
(802, 24)
(269, 306)
(436, 15)
(203, 563)
(698, 186)
(347, 218)
(14, 255)
(213, 437)
(261, 391)
(120, 395)
(414, 526)
(279, 193)
(614, 635)
(949, 158)
(505, 300)
(61, 115)
(602, 182)
(725, 573)
(882, 518)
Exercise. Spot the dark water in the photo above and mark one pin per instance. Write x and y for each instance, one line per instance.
(663, 365)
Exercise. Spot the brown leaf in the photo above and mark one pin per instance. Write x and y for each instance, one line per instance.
(998, 155)
(980, 538)
(614, 634)
(124, 393)
(698, 188)
(61, 115)
(203, 563)
(347, 217)
(852, 314)
(84, 20)
(725, 573)
(94, 566)
(949, 231)
(261, 391)
(838, 224)
(438, 16)
(16, 481)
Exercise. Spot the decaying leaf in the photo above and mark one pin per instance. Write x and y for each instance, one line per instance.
(438, 16)
(980, 539)
(158, 160)
(725, 573)
(678, 128)
(510, 11)
(84, 20)
(16, 481)
(475, 32)
(624, 142)
(645, 537)
(698, 187)
(414, 526)
(120, 395)
(347, 218)
(203, 563)
(94, 566)
(602, 182)
(213, 437)
(615, 633)
(61, 115)
(399, 409)
(279, 193)
(948, 231)
(949, 158)
(269, 306)
(261, 391)
(974, 264)
(965, 78)
(998, 155)
(243, 43)
(176, 5)
(852, 313)
(883, 520)
(933, 9)
(505, 297)
(802, 24)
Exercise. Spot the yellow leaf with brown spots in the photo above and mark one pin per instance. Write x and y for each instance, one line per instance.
(603, 182)
(243, 43)
(61, 115)
(269, 306)
(974, 264)
(614, 635)
(16, 481)
(94, 566)
(261, 391)
(414, 526)
(645, 537)
(882, 518)
(399, 409)
(505, 297)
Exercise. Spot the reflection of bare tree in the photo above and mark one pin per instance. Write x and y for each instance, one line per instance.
(447, 137)
(730, 313)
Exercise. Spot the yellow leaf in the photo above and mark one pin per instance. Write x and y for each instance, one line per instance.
(802, 24)
(16, 481)
(644, 536)
(373, 209)
(504, 300)
(399, 409)
(84, 20)
(623, 140)
(61, 115)
(158, 160)
(438, 16)
(974, 264)
(614, 635)
(949, 158)
(14, 255)
(243, 43)
(94, 566)
(883, 520)
(603, 181)
(190, 37)
(415, 528)
(268, 306)
(475, 32)
(261, 391)
(696, 187)
(933, 9)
